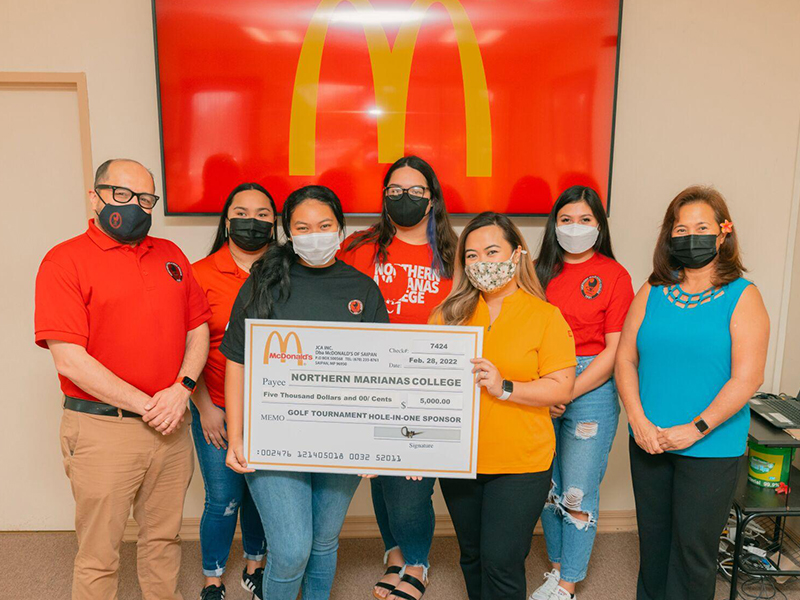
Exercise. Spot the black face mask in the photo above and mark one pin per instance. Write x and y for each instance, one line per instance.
(406, 211)
(693, 251)
(126, 223)
(250, 234)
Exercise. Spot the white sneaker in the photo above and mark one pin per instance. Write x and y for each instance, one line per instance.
(548, 588)
(562, 594)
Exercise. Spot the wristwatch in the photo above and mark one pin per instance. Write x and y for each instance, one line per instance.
(508, 389)
(189, 384)
(701, 425)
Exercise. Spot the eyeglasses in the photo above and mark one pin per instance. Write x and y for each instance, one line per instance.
(393, 192)
(123, 195)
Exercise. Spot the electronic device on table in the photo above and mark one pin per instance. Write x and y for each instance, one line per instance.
(781, 411)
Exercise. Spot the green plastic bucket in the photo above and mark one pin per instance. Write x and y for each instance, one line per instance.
(769, 467)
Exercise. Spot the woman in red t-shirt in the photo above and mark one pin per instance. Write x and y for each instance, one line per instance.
(245, 230)
(409, 253)
(577, 269)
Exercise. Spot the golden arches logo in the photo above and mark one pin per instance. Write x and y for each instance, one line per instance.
(391, 71)
(283, 346)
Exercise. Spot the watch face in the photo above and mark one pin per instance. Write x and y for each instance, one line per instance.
(189, 383)
(508, 386)
(701, 425)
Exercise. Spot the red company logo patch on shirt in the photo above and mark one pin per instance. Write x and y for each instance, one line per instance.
(356, 307)
(591, 287)
(175, 271)
(115, 220)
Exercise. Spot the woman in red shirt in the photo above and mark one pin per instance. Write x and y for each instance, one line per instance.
(410, 254)
(245, 230)
(576, 267)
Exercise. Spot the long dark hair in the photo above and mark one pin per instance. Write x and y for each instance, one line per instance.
(442, 239)
(728, 265)
(551, 255)
(270, 273)
(222, 230)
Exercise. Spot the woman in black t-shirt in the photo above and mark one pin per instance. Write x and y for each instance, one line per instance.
(302, 513)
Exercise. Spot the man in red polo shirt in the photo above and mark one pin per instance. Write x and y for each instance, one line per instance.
(125, 322)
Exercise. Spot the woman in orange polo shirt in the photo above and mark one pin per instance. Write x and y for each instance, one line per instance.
(528, 365)
(245, 230)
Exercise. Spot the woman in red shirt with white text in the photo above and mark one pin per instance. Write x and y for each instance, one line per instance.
(576, 267)
(410, 254)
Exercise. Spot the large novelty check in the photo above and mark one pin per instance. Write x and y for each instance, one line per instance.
(361, 398)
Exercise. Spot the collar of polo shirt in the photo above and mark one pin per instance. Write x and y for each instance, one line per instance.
(223, 260)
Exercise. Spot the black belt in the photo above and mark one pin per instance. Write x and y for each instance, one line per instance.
(96, 408)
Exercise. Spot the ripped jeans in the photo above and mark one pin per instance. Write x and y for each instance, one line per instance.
(584, 434)
(227, 498)
(404, 512)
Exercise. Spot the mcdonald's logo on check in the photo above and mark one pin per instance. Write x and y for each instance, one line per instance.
(283, 346)
(391, 72)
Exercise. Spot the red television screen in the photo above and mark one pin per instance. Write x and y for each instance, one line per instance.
(510, 101)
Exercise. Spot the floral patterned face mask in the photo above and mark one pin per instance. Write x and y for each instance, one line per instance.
(490, 276)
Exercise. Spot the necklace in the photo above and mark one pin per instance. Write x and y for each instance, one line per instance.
(238, 263)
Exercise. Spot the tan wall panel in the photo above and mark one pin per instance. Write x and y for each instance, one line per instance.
(41, 186)
(790, 380)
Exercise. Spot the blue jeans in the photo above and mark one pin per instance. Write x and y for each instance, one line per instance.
(302, 514)
(584, 434)
(227, 497)
(404, 512)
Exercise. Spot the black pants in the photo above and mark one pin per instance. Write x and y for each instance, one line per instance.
(494, 517)
(682, 505)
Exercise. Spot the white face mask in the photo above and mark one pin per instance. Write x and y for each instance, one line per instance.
(317, 248)
(576, 238)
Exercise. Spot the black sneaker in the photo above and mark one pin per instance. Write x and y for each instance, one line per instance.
(213, 592)
(252, 581)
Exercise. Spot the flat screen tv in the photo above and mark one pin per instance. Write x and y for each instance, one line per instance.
(511, 101)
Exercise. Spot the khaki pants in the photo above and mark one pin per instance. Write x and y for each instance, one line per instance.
(113, 464)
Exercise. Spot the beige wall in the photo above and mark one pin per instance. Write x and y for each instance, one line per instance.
(790, 376)
(709, 93)
(36, 207)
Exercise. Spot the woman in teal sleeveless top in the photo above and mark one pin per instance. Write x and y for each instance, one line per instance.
(691, 355)
(685, 360)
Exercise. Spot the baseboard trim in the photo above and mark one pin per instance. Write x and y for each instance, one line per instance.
(609, 521)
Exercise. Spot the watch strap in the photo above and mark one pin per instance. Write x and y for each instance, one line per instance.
(701, 425)
(188, 383)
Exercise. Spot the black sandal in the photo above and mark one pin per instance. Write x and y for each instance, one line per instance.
(394, 570)
(413, 581)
